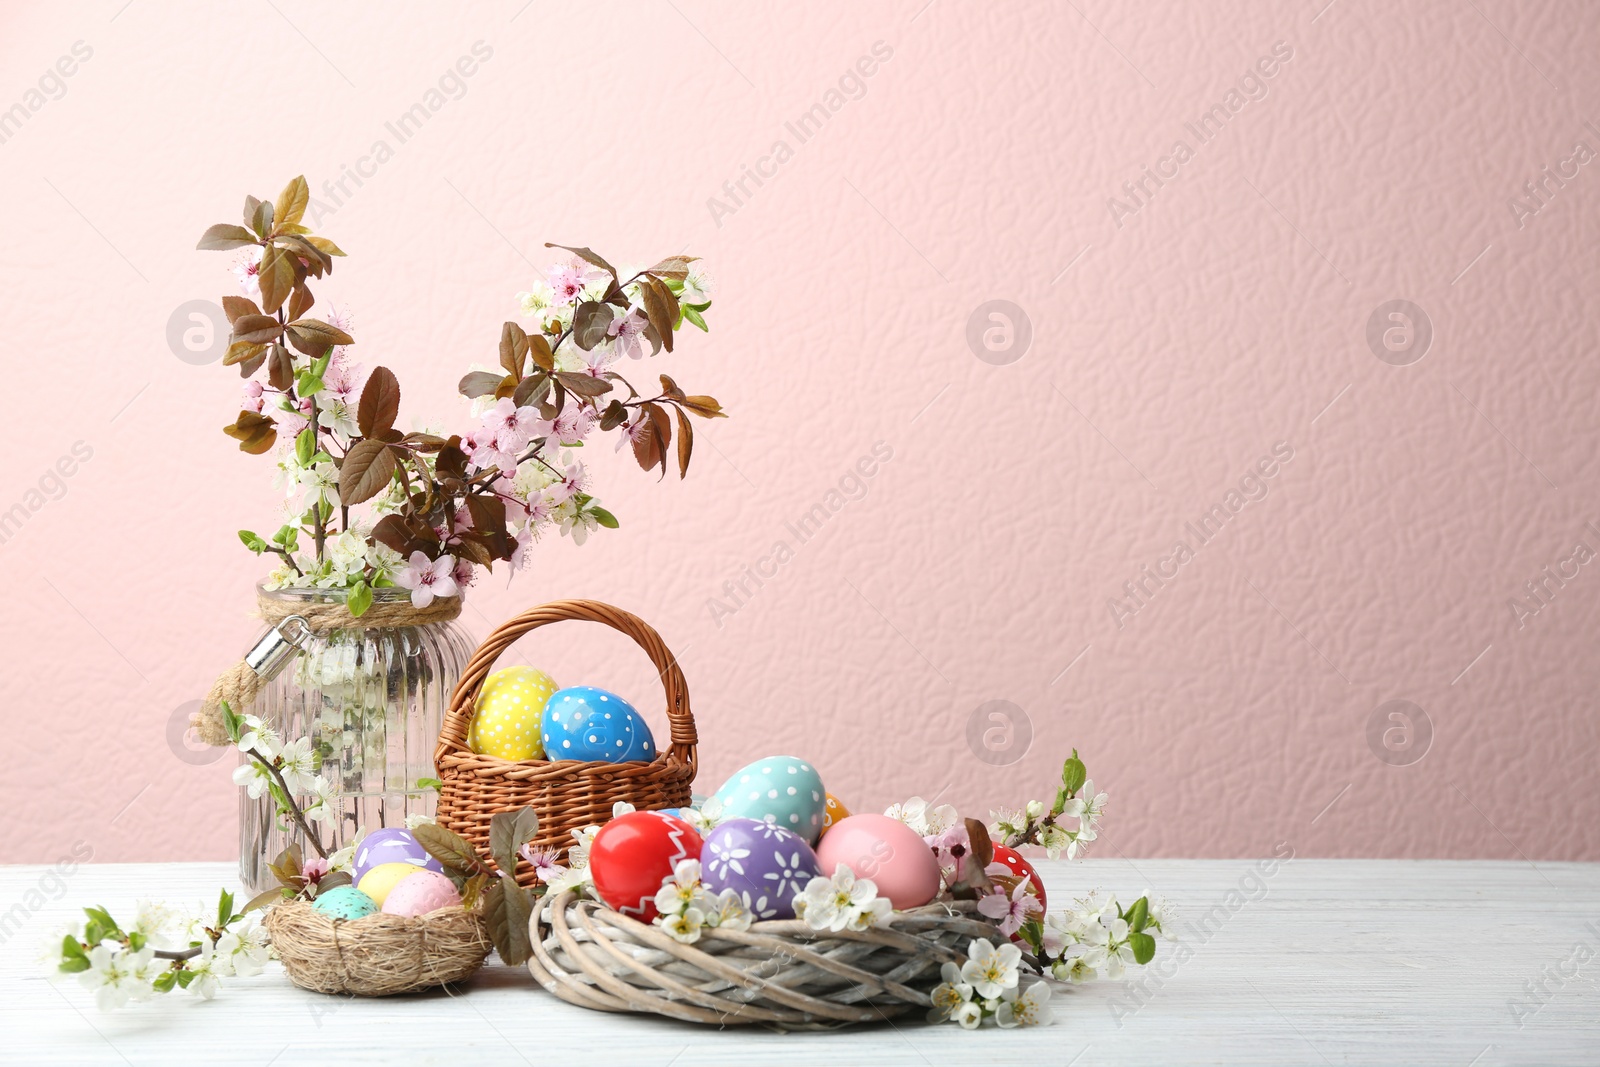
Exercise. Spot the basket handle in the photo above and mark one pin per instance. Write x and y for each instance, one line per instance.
(463, 702)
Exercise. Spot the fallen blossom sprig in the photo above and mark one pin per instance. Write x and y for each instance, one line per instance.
(1096, 938)
(161, 951)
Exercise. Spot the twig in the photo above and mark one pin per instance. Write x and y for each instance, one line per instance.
(288, 797)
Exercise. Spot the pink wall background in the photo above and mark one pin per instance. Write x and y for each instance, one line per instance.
(1174, 342)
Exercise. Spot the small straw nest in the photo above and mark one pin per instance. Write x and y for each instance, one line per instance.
(779, 973)
(380, 955)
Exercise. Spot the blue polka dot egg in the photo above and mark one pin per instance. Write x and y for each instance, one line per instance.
(781, 790)
(589, 724)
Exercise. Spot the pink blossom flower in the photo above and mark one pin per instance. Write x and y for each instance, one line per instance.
(568, 427)
(252, 397)
(627, 331)
(631, 431)
(1012, 911)
(951, 847)
(519, 555)
(544, 862)
(574, 480)
(343, 378)
(427, 579)
(314, 869)
(512, 426)
(247, 268)
(597, 359)
(482, 451)
(568, 280)
(464, 574)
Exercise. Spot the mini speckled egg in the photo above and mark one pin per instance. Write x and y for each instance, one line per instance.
(419, 893)
(766, 865)
(506, 718)
(585, 723)
(392, 844)
(379, 882)
(887, 851)
(345, 902)
(832, 812)
(779, 789)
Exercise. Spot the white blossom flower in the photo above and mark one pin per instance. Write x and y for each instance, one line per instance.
(726, 910)
(684, 926)
(244, 951)
(118, 976)
(991, 969)
(298, 765)
(948, 995)
(841, 902)
(969, 1015)
(253, 777)
(258, 735)
(1029, 1008)
(926, 821)
(1161, 918)
(318, 483)
(680, 890)
(698, 285)
(205, 968)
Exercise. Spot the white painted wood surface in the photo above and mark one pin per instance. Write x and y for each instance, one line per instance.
(1318, 961)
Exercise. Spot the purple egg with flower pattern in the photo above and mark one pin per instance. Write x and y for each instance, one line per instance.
(392, 844)
(766, 865)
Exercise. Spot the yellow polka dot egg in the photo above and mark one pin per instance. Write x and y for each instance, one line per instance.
(506, 721)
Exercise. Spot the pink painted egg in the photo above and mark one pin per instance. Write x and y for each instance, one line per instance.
(634, 853)
(1009, 861)
(420, 893)
(887, 851)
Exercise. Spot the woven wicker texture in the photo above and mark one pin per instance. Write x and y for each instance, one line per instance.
(380, 955)
(566, 794)
(781, 974)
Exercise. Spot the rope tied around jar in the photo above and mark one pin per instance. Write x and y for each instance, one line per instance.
(292, 624)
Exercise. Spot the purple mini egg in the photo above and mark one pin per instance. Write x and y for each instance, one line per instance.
(392, 844)
(766, 865)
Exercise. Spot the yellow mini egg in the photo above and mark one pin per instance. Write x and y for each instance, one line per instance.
(377, 882)
(506, 720)
(832, 812)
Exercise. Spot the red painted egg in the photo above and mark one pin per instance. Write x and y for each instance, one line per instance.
(1015, 865)
(634, 853)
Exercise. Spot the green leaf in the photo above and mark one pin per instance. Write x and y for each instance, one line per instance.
(1073, 773)
(694, 316)
(71, 949)
(604, 518)
(252, 541)
(232, 723)
(184, 977)
(1144, 947)
(1138, 916)
(73, 966)
(305, 446)
(359, 599)
(224, 909)
(166, 980)
(430, 783)
(136, 940)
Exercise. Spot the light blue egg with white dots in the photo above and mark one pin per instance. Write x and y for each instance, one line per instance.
(584, 723)
(784, 790)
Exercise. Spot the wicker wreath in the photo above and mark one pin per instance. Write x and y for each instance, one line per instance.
(566, 794)
(379, 955)
(779, 973)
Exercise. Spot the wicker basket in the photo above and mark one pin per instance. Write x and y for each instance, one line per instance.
(779, 973)
(380, 955)
(566, 794)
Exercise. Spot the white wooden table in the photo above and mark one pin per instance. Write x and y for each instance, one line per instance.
(1321, 961)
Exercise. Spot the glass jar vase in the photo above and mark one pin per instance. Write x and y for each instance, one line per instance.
(371, 698)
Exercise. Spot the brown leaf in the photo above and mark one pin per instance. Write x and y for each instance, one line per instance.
(451, 461)
(222, 236)
(589, 324)
(276, 277)
(314, 337)
(661, 306)
(325, 245)
(489, 522)
(674, 267)
(292, 202)
(300, 301)
(588, 256)
(236, 306)
(670, 388)
(539, 349)
(280, 367)
(248, 367)
(448, 847)
(704, 406)
(470, 547)
(250, 205)
(646, 448)
(685, 443)
(261, 221)
(513, 348)
(584, 385)
(255, 433)
(256, 329)
(507, 387)
(380, 403)
(242, 351)
(508, 925)
(531, 390)
(316, 260)
(615, 415)
(391, 531)
(478, 383)
(366, 471)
